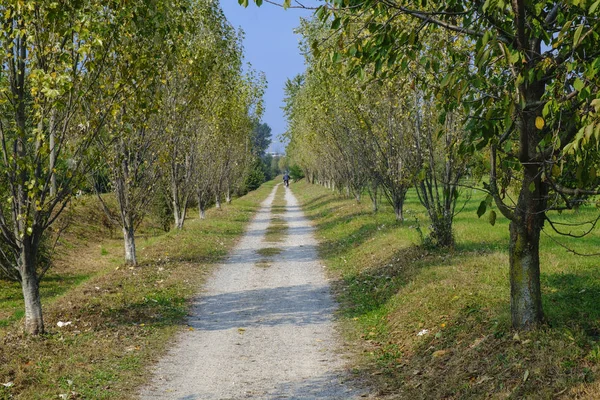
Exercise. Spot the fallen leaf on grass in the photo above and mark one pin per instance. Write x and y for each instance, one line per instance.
(8, 384)
(439, 353)
(526, 375)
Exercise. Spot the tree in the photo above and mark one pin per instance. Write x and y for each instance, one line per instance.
(261, 139)
(530, 88)
(130, 146)
(52, 108)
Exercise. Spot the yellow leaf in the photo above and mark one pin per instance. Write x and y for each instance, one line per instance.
(539, 122)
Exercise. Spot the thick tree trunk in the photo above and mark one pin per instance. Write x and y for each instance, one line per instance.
(129, 241)
(399, 213)
(525, 290)
(34, 323)
(375, 204)
(202, 212)
(218, 202)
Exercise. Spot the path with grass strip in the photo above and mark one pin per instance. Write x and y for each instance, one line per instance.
(262, 327)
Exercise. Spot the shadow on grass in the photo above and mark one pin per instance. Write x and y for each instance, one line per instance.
(372, 288)
(341, 245)
(11, 296)
(571, 300)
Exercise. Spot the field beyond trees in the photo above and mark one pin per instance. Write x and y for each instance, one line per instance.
(116, 319)
(436, 323)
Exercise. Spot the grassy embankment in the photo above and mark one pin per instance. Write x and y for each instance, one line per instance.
(391, 290)
(121, 318)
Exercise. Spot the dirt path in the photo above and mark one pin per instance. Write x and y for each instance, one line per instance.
(260, 332)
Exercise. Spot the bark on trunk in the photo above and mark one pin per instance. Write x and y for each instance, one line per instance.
(202, 212)
(218, 202)
(34, 323)
(228, 196)
(179, 222)
(399, 213)
(524, 258)
(129, 240)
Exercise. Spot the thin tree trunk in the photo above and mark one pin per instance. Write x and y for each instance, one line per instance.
(228, 195)
(218, 202)
(52, 153)
(129, 240)
(34, 322)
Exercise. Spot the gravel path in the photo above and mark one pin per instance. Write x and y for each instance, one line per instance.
(260, 333)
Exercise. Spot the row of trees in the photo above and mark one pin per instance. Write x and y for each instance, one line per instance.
(147, 95)
(427, 94)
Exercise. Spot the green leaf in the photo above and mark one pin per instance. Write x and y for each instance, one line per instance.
(532, 187)
(492, 218)
(336, 23)
(578, 84)
(594, 6)
(259, 2)
(482, 208)
(577, 36)
(287, 4)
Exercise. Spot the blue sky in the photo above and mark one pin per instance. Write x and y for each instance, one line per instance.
(270, 46)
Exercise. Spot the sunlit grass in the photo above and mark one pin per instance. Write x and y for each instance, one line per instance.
(122, 319)
(391, 290)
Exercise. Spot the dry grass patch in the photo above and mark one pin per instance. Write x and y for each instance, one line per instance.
(276, 231)
(263, 264)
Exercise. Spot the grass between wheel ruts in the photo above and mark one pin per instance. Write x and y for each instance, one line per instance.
(277, 229)
(432, 324)
(116, 320)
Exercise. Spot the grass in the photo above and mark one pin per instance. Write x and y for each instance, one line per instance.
(269, 251)
(436, 324)
(277, 229)
(122, 318)
(263, 264)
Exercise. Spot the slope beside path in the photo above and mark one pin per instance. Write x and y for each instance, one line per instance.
(260, 331)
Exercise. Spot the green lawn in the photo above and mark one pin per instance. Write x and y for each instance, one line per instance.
(391, 290)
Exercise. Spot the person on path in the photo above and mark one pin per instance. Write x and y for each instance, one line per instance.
(286, 179)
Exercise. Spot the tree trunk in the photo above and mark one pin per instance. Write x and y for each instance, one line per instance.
(218, 202)
(524, 258)
(202, 212)
(52, 153)
(442, 230)
(399, 213)
(34, 323)
(129, 240)
(228, 196)
(176, 215)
